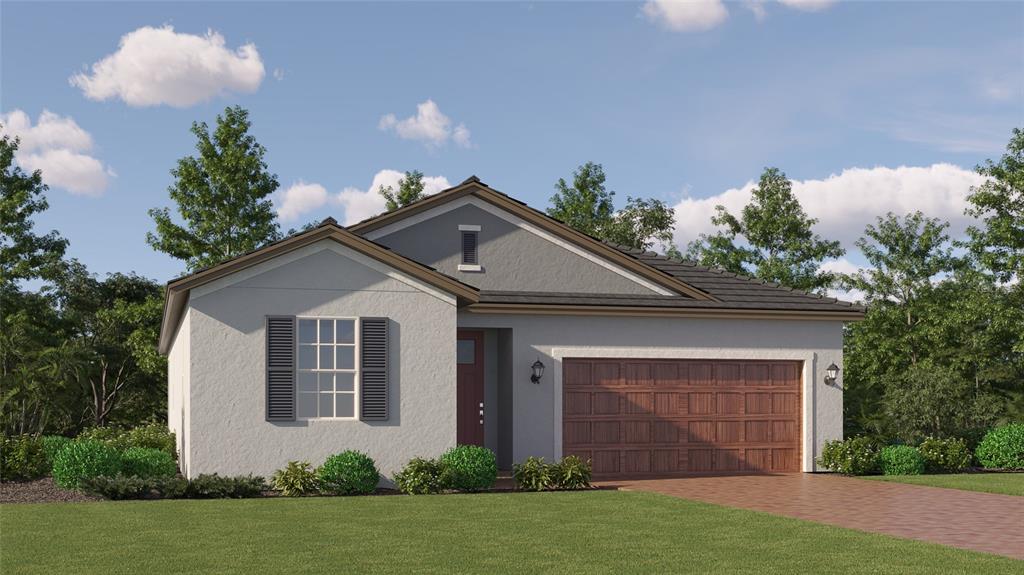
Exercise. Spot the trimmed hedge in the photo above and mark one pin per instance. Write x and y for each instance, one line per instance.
(133, 487)
(854, 456)
(213, 486)
(472, 468)
(423, 477)
(52, 444)
(146, 462)
(348, 473)
(152, 436)
(901, 460)
(944, 455)
(1002, 447)
(85, 459)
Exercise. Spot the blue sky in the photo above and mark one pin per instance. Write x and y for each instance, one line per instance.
(868, 106)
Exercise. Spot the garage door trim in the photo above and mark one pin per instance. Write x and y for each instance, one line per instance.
(739, 354)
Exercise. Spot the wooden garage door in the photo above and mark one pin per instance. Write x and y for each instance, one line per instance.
(635, 418)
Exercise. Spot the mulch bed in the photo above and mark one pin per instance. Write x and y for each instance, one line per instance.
(40, 491)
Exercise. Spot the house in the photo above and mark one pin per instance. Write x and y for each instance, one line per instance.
(470, 318)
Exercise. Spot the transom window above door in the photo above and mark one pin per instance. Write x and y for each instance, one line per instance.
(327, 368)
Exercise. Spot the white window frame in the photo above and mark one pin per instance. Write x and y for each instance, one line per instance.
(464, 267)
(355, 371)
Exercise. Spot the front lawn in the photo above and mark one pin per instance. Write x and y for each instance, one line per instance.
(1005, 483)
(582, 532)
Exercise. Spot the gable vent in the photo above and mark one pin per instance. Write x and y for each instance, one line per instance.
(280, 368)
(374, 368)
(469, 245)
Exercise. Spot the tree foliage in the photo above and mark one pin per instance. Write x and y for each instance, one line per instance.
(772, 239)
(222, 196)
(999, 243)
(410, 189)
(586, 205)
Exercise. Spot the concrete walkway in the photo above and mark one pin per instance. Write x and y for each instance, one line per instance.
(985, 522)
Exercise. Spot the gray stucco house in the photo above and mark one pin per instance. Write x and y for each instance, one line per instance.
(468, 317)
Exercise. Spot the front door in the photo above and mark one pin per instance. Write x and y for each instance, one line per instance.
(470, 384)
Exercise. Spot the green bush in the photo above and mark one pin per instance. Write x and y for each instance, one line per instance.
(85, 459)
(570, 473)
(146, 462)
(423, 476)
(152, 436)
(295, 479)
(348, 473)
(22, 458)
(1002, 447)
(472, 468)
(901, 460)
(533, 474)
(52, 444)
(854, 456)
(213, 486)
(944, 455)
(133, 487)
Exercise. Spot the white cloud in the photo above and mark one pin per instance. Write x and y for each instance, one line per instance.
(154, 66)
(301, 198)
(429, 126)
(844, 266)
(278, 74)
(845, 203)
(58, 147)
(757, 8)
(686, 15)
(808, 5)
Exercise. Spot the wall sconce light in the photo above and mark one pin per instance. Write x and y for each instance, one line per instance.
(538, 371)
(831, 373)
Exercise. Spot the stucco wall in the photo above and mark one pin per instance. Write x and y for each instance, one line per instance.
(512, 258)
(230, 434)
(178, 369)
(537, 408)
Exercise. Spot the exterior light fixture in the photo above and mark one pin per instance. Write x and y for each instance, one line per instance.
(831, 373)
(538, 371)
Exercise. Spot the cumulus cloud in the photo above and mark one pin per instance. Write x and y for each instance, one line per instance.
(845, 203)
(429, 126)
(686, 15)
(154, 66)
(58, 147)
(358, 204)
(808, 5)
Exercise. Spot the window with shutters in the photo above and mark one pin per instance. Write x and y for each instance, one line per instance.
(328, 368)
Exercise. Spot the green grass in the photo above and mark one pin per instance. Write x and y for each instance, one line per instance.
(583, 532)
(1005, 483)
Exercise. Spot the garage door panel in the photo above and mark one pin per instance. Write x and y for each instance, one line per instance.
(635, 418)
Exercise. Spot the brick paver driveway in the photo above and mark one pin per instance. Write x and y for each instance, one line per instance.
(979, 521)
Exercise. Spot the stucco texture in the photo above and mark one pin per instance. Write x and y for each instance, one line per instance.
(227, 425)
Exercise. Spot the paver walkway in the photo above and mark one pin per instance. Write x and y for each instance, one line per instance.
(986, 522)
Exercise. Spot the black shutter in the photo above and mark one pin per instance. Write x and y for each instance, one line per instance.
(280, 368)
(373, 341)
(469, 241)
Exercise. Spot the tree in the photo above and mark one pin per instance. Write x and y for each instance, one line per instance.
(410, 189)
(772, 239)
(588, 207)
(999, 245)
(932, 400)
(222, 196)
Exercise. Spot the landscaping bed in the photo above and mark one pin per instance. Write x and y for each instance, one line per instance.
(41, 491)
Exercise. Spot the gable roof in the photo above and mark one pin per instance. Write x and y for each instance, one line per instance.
(473, 186)
(176, 296)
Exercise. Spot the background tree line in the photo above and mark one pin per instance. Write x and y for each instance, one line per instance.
(940, 352)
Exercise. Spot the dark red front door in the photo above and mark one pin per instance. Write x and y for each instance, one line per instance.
(470, 384)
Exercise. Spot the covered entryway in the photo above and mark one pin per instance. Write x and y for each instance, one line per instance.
(661, 417)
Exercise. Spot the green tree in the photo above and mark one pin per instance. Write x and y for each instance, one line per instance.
(999, 202)
(772, 239)
(222, 196)
(931, 400)
(588, 206)
(410, 189)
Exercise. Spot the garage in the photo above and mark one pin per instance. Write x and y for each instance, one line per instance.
(636, 418)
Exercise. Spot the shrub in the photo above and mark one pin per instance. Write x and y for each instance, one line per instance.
(533, 474)
(901, 460)
(52, 444)
(146, 462)
(153, 436)
(472, 468)
(570, 473)
(944, 455)
(84, 459)
(854, 456)
(423, 476)
(348, 473)
(1002, 447)
(297, 478)
(213, 486)
(133, 487)
(22, 458)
